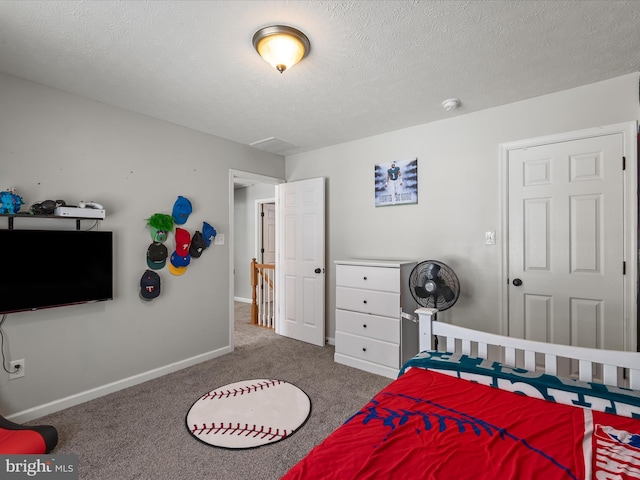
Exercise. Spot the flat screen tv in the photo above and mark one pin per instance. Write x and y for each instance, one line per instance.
(54, 268)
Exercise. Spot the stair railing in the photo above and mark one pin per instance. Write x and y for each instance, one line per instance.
(263, 294)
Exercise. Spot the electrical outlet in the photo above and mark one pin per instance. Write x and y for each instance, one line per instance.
(219, 239)
(16, 365)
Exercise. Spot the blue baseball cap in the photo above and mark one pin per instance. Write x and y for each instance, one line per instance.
(208, 233)
(180, 261)
(181, 210)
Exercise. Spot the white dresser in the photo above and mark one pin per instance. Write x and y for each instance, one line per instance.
(370, 332)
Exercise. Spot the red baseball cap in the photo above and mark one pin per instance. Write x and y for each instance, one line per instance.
(183, 240)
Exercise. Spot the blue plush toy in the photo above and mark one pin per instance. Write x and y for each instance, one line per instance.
(10, 201)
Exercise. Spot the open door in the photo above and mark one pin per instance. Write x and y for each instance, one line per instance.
(268, 233)
(300, 261)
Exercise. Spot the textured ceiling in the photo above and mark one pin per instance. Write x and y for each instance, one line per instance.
(374, 66)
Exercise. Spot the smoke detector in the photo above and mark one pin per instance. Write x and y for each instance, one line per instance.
(451, 104)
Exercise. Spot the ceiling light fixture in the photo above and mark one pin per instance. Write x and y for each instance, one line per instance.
(281, 46)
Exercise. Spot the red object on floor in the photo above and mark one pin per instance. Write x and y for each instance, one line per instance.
(25, 440)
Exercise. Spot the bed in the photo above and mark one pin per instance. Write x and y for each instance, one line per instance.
(478, 405)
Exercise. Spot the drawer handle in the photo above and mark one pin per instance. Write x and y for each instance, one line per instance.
(364, 325)
(364, 349)
(364, 278)
(364, 302)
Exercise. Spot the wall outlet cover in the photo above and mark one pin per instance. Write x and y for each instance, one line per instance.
(12, 366)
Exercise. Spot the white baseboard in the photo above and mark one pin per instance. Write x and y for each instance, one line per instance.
(242, 299)
(78, 398)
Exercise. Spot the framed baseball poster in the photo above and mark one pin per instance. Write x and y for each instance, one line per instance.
(396, 183)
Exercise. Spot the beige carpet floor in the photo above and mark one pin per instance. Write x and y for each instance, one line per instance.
(140, 432)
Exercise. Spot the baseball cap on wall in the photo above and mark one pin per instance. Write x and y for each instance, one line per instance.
(198, 245)
(183, 240)
(181, 210)
(208, 233)
(176, 270)
(157, 256)
(160, 225)
(158, 235)
(180, 260)
(149, 285)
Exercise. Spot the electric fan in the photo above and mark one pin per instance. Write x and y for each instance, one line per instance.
(434, 284)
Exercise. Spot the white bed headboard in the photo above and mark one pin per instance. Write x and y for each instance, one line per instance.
(473, 342)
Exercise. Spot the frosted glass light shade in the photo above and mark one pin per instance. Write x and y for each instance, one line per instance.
(281, 46)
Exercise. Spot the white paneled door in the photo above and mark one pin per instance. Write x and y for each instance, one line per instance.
(268, 216)
(300, 283)
(566, 242)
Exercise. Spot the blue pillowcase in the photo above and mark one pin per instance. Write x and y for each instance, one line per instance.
(595, 396)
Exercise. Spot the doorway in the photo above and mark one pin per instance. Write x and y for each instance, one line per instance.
(570, 220)
(263, 293)
(266, 231)
(245, 189)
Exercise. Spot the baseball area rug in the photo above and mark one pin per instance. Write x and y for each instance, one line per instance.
(248, 414)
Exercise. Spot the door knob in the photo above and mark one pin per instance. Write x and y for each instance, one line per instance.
(317, 270)
(517, 282)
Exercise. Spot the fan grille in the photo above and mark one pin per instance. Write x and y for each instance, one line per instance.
(434, 284)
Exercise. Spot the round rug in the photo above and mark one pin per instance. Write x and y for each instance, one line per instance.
(248, 414)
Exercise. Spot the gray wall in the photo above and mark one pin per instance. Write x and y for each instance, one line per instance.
(459, 189)
(245, 234)
(56, 145)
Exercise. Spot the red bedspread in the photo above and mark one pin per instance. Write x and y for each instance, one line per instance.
(426, 425)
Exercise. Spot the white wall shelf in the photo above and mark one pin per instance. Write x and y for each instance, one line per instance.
(11, 216)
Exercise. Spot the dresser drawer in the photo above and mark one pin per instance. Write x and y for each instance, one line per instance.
(368, 349)
(373, 278)
(368, 301)
(370, 326)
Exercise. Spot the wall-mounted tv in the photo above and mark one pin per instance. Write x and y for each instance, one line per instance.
(54, 268)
